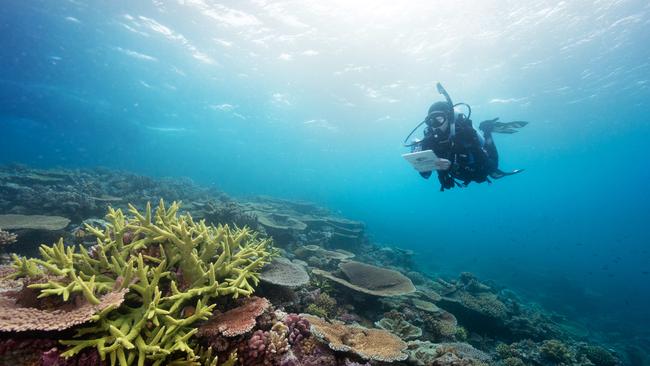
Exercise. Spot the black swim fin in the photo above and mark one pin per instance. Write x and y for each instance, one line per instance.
(498, 174)
(508, 127)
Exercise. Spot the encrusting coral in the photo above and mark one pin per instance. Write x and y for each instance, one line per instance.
(172, 267)
(236, 321)
(395, 323)
(369, 344)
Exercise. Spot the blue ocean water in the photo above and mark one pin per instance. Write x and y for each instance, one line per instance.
(311, 100)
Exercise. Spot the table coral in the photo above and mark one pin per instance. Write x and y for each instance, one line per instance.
(371, 280)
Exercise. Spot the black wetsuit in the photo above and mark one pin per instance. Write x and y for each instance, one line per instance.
(470, 160)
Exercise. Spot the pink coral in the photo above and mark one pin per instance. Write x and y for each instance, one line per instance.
(265, 348)
(237, 321)
(298, 328)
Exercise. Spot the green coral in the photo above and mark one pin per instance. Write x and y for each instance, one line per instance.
(506, 351)
(169, 263)
(461, 334)
(323, 306)
(555, 351)
(314, 309)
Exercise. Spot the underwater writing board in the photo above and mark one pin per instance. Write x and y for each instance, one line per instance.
(425, 161)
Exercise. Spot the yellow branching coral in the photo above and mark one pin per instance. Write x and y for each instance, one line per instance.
(167, 262)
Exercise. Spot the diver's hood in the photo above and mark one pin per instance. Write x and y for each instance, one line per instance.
(440, 107)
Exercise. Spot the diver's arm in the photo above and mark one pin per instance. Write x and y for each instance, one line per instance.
(446, 180)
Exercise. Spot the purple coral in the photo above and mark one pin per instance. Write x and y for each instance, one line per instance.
(298, 328)
(265, 348)
(252, 351)
(23, 351)
(347, 362)
(87, 357)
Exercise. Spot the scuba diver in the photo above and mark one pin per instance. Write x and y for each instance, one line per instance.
(465, 156)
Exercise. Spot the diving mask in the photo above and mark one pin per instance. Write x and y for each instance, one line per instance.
(436, 119)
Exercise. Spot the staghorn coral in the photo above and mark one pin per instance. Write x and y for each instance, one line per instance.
(171, 264)
(236, 321)
(369, 344)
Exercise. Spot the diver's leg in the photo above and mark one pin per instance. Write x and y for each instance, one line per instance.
(489, 146)
(491, 149)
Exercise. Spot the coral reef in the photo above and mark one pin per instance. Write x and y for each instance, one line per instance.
(171, 266)
(228, 212)
(322, 305)
(555, 351)
(599, 356)
(451, 354)
(166, 287)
